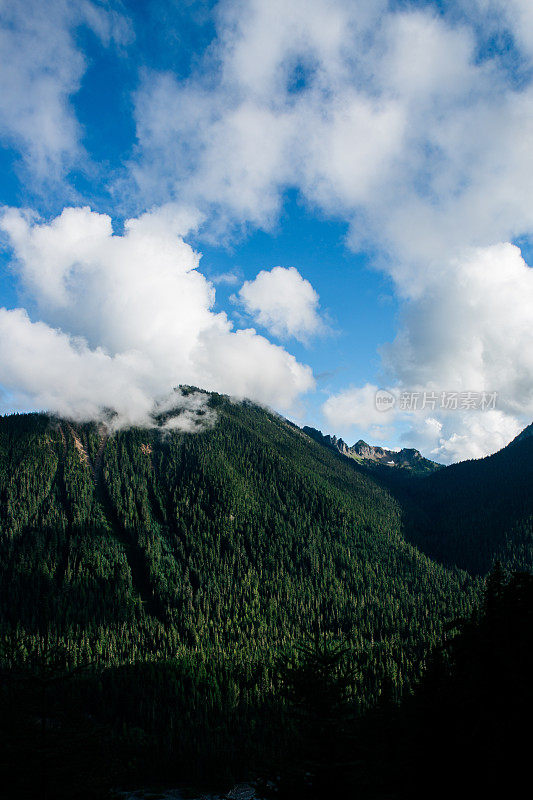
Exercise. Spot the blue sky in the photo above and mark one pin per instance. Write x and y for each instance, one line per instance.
(377, 152)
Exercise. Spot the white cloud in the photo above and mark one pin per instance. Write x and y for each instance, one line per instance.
(227, 278)
(403, 122)
(514, 15)
(409, 126)
(444, 436)
(476, 436)
(460, 435)
(121, 320)
(282, 302)
(466, 328)
(469, 329)
(356, 407)
(397, 125)
(41, 68)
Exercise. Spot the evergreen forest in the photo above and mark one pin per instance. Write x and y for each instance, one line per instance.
(243, 603)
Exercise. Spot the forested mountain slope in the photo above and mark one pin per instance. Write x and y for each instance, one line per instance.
(175, 569)
(467, 515)
(245, 535)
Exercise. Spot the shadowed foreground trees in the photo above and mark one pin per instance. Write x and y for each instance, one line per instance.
(319, 684)
(470, 719)
(464, 732)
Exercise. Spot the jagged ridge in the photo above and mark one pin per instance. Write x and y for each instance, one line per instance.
(406, 458)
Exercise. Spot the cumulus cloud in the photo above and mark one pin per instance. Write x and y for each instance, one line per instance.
(515, 15)
(355, 407)
(443, 435)
(234, 141)
(228, 278)
(119, 320)
(474, 436)
(282, 302)
(467, 329)
(407, 124)
(41, 67)
(396, 120)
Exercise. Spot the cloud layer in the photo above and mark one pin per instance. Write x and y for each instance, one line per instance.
(400, 121)
(467, 330)
(41, 68)
(122, 319)
(406, 123)
(411, 125)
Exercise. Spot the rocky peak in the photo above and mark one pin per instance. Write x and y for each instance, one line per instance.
(369, 454)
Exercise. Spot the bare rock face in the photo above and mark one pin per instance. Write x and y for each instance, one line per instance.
(407, 458)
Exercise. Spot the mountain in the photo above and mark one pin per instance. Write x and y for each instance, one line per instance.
(475, 512)
(174, 569)
(247, 528)
(371, 455)
(156, 578)
(466, 515)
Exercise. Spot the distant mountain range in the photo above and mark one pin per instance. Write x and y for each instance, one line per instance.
(406, 458)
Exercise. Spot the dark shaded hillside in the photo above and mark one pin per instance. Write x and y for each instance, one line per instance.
(467, 719)
(463, 731)
(477, 512)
